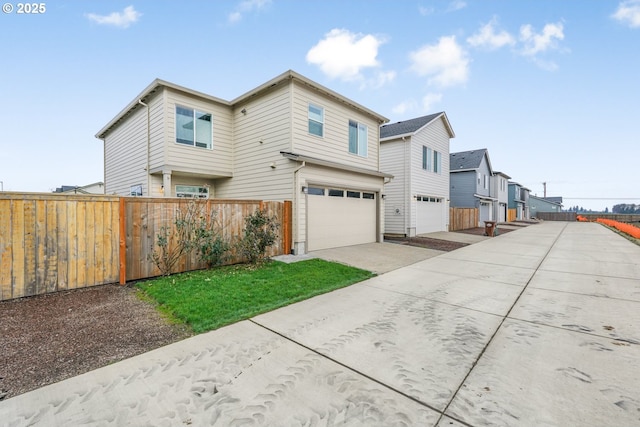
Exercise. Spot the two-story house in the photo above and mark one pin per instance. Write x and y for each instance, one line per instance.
(519, 200)
(501, 193)
(288, 139)
(416, 153)
(470, 183)
(541, 204)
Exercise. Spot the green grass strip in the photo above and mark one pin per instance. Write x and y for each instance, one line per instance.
(210, 299)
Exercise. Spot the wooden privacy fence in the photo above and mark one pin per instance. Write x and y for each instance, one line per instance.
(144, 217)
(463, 218)
(557, 216)
(512, 215)
(50, 243)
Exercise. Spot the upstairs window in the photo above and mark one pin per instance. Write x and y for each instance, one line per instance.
(358, 138)
(437, 162)
(193, 127)
(316, 120)
(426, 158)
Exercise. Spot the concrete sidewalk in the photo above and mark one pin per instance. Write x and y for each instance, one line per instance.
(540, 326)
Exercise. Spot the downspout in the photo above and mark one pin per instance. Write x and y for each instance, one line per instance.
(296, 191)
(148, 148)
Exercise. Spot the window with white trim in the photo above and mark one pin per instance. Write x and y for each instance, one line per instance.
(135, 190)
(426, 158)
(486, 181)
(437, 162)
(193, 127)
(316, 120)
(192, 191)
(358, 138)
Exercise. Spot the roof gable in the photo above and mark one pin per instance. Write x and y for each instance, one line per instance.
(412, 126)
(159, 84)
(468, 160)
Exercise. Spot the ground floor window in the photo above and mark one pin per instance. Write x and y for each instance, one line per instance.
(135, 190)
(192, 191)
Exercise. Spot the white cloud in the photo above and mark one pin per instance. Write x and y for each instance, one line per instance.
(343, 54)
(410, 105)
(456, 5)
(535, 43)
(628, 12)
(246, 6)
(488, 38)
(425, 11)
(118, 19)
(446, 63)
(429, 100)
(380, 79)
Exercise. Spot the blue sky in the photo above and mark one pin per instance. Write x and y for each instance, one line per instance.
(550, 87)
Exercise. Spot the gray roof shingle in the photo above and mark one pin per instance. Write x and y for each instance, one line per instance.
(406, 126)
(465, 160)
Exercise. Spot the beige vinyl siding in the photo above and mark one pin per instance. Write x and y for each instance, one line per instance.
(260, 135)
(126, 154)
(312, 175)
(436, 137)
(334, 145)
(394, 160)
(197, 159)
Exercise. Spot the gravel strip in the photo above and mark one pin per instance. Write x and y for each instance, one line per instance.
(48, 338)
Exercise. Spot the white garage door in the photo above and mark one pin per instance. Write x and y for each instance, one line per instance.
(429, 215)
(339, 217)
(485, 213)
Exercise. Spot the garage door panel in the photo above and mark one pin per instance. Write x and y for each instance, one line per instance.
(429, 217)
(340, 221)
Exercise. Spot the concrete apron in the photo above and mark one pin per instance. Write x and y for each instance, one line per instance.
(540, 326)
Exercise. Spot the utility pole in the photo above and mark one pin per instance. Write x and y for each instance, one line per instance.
(544, 184)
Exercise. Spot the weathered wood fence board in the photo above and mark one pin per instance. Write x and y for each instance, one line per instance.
(512, 215)
(462, 218)
(557, 216)
(50, 243)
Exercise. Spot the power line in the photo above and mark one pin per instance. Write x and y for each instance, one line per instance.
(600, 198)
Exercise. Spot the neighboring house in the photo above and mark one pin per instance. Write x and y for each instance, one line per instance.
(288, 139)
(540, 204)
(501, 193)
(416, 153)
(519, 200)
(470, 183)
(557, 199)
(95, 188)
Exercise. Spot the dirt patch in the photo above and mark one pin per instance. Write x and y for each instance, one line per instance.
(426, 242)
(49, 338)
(479, 231)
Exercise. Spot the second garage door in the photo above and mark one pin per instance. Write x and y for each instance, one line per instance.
(340, 217)
(429, 215)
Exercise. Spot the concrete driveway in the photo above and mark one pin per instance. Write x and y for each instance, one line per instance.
(540, 326)
(377, 257)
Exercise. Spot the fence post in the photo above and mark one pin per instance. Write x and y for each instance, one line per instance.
(123, 243)
(286, 227)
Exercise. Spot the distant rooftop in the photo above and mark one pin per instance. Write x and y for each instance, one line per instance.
(465, 160)
(406, 126)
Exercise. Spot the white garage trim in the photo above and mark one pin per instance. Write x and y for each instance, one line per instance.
(340, 216)
(430, 214)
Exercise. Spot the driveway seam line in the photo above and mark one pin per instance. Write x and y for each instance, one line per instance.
(591, 334)
(506, 316)
(370, 378)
